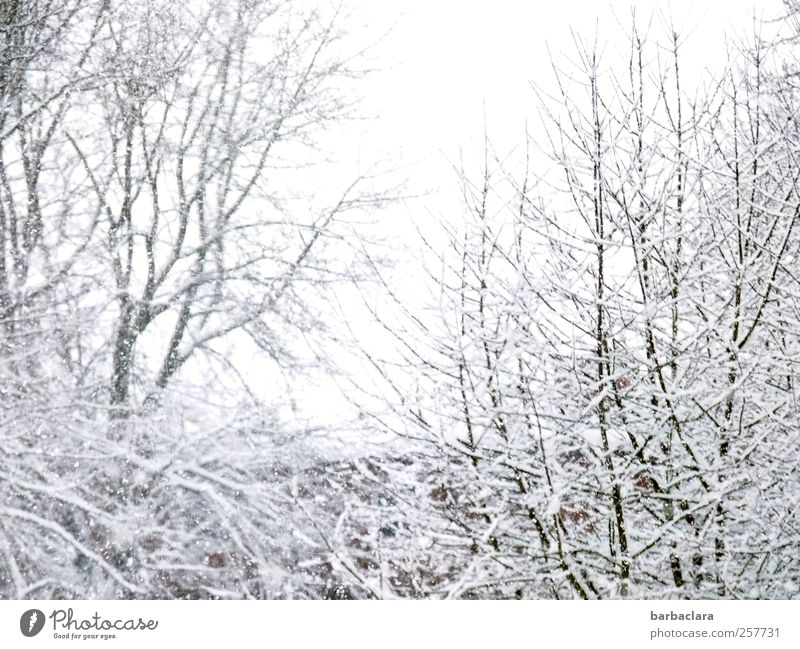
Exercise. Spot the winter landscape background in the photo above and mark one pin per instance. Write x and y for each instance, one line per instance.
(273, 324)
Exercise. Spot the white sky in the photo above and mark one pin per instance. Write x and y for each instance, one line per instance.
(444, 60)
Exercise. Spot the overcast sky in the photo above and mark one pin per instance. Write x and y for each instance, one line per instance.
(444, 60)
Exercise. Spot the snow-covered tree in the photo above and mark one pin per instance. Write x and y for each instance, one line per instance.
(606, 388)
(165, 195)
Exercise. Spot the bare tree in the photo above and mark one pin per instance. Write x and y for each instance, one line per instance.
(160, 194)
(602, 388)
